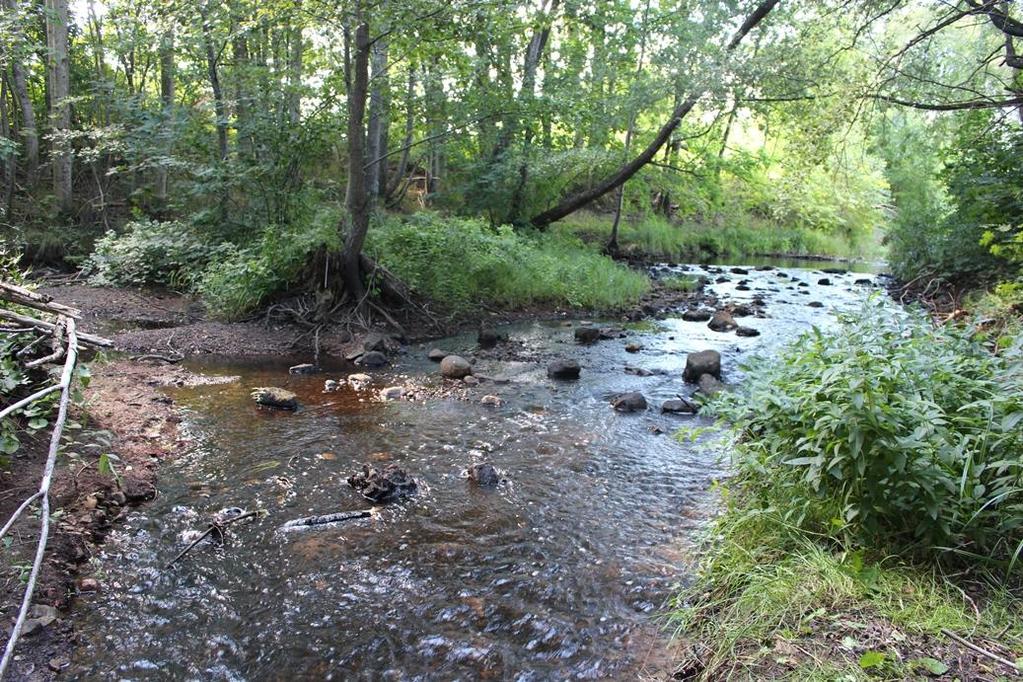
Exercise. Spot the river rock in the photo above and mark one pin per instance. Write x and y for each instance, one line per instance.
(741, 310)
(359, 381)
(700, 363)
(863, 281)
(470, 381)
(271, 396)
(380, 343)
(742, 287)
(710, 386)
(695, 315)
(380, 486)
(88, 585)
(679, 406)
(305, 368)
(638, 371)
(455, 367)
(39, 617)
(373, 359)
(740, 271)
(629, 402)
(330, 385)
(490, 401)
(436, 354)
(563, 369)
(815, 304)
(722, 322)
(633, 347)
(484, 475)
(488, 338)
(587, 335)
(392, 393)
(824, 282)
(746, 331)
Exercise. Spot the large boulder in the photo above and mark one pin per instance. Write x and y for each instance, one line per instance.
(587, 335)
(722, 321)
(703, 362)
(455, 367)
(697, 315)
(629, 402)
(488, 338)
(277, 398)
(380, 486)
(563, 369)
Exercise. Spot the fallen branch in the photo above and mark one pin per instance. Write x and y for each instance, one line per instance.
(31, 299)
(980, 650)
(157, 356)
(214, 526)
(66, 377)
(309, 521)
(50, 327)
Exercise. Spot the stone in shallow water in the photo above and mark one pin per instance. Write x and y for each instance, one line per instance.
(381, 486)
(484, 475)
(679, 406)
(629, 402)
(746, 331)
(372, 359)
(436, 354)
(700, 363)
(272, 396)
(694, 315)
(563, 369)
(306, 368)
(587, 335)
(455, 367)
(722, 322)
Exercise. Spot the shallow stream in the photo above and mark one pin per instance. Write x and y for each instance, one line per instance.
(562, 572)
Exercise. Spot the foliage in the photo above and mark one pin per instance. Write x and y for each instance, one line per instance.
(889, 432)
(461, 262)
(150, 252)
(249, 275)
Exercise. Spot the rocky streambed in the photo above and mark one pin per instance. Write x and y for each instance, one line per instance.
(544, 532)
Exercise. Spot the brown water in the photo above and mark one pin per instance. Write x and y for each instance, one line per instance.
(560, 573)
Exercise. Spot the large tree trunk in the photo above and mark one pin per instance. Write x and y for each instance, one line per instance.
(167, 104)
(357, 196)
(10, 167)
(406, 145)
(60, 106)
(376, 145)
(295, 51)
(29, 130)
(576, 201)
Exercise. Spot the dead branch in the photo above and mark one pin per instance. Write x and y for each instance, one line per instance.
(324, 519)
(90, 339)
(215, 526)
(31, 299)
(980, 650)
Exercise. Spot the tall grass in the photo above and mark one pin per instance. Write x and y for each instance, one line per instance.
(462, 262)
(657, 238)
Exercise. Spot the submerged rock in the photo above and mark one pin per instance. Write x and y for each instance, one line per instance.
(587, 335)
(359, 381)
(815, 304)
(455, 367)
(436, 354)
(633, 347)
(824, 282)
(380, 486)
(722, 321)
(305, 368)
(629, 402)
(746, 331)
(700, 363)
(471, 380)
(680, 406)
(392, 393)
(563, 369)
(380, 343)
(372, 359)
(488, 338)
(483, 475)
(271, 396)
(490, 401)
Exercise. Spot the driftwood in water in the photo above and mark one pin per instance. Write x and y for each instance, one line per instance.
(216, 526)
(324, 519)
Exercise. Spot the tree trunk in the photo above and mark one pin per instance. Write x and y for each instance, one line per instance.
(29, 130)
(242, 91)
(357, 196)
(167, 103)
(9, 167)
(219, 108)
(576, 201)
(60, 106)
(406, 146)
(295, 77)
(377, 127)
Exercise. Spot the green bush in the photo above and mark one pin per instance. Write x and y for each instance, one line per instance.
(889, 432)
(150, 252)
(247, 276)
(460, 262)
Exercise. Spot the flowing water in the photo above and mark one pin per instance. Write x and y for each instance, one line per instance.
(561, 572)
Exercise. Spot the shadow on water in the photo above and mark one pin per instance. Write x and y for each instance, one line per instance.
(558, 573)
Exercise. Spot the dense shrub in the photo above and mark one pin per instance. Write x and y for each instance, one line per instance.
(889, 431)
(461, 262)
(150, 252)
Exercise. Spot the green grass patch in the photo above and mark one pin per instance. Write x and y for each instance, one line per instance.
(463, 262)
(657, 238)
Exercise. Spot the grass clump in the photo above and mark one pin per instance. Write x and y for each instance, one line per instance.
(463, 262)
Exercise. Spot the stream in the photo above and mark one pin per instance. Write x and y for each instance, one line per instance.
(561, 572)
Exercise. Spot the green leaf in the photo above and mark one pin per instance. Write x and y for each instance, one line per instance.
(931, 665)
(37, 423)
(871, 659)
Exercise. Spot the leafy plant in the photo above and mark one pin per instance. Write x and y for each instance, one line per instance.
(889, 432)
